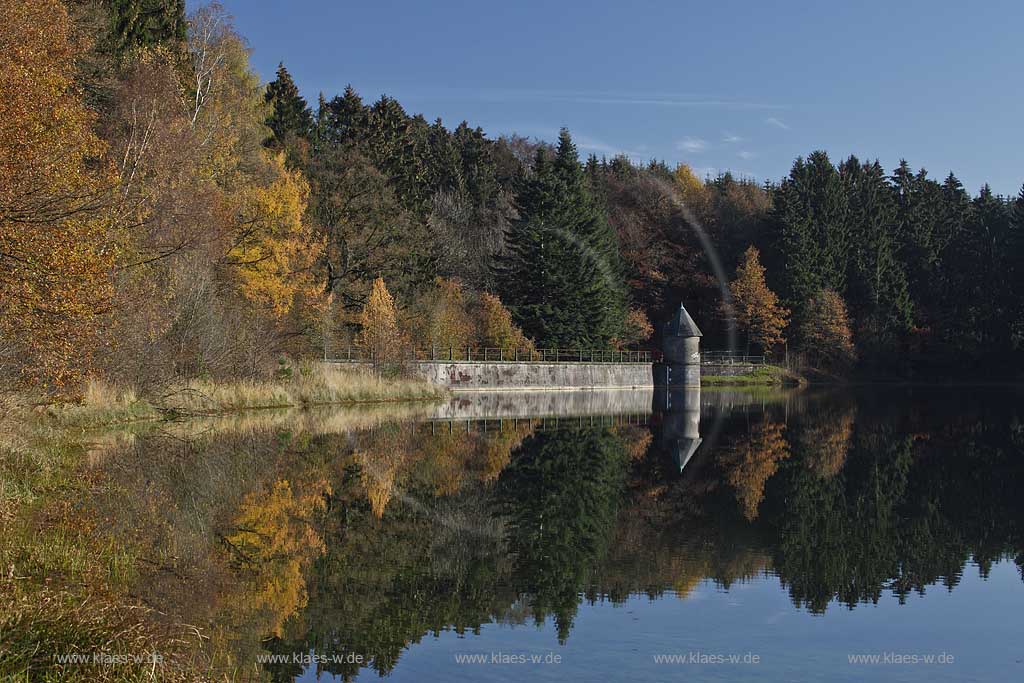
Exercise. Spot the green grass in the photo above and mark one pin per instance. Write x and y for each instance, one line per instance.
(762, 375)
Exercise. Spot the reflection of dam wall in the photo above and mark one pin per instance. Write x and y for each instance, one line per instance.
(526, 404)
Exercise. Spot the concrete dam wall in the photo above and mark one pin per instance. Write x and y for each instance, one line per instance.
(491, 375)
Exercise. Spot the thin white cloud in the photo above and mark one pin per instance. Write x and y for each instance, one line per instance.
(772, 121)
(692, 145)
(744, 154)
(679, 100)
(731, 138)
(586, 144)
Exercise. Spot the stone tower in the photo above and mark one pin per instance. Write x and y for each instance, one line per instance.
(681, 343)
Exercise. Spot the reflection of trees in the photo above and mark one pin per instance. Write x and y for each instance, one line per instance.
(414, 546)
(439, 527)
(561, 494)
(832, 536)
(751, 459)
(823, 437)
(908, 509)
(272, 540)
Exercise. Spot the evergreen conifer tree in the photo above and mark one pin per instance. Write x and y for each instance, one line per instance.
(877, 280)
(561, 275)
(147, 23)
(290, 113)
(812, 224)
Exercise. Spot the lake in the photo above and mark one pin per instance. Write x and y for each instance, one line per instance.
(849, 534)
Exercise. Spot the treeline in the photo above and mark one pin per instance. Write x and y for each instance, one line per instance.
(163, 214)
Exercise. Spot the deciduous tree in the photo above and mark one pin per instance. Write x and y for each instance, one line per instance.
(826, 336)
(757, 308)
(58, 245)
(379, 321)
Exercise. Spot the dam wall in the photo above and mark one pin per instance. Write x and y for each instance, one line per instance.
(491, 375)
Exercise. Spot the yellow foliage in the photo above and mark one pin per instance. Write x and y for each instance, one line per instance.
(57, 245)
(274, 251)
(275, 540)
(449, 323)
(496, 328)
(691, 188)
(756, 307)
(379, 320)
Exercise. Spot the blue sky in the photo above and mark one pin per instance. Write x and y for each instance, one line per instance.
(745, 86)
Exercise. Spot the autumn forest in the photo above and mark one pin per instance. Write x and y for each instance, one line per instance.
(164, 214)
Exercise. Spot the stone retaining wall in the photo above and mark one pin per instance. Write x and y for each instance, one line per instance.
(467, 375)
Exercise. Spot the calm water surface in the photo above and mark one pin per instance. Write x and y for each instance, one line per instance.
(606, 537)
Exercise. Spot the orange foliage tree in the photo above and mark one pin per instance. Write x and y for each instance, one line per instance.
(379, 321)
(58, 246)
(756, 307)
(496, 329)
(637, 328)
(826, 335)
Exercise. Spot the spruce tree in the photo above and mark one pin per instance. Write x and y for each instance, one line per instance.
(147, 23)
(345, 118)
(811, 221)
(561, 275)
(877, 280)
(1015, 252)
(290, 115)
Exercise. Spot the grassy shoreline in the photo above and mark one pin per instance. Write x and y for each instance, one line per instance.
(312, 385)
(65, 580)
(763, 375)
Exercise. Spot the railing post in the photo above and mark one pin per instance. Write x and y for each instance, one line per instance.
(451, 353)
(517, 353)
(501, 354)
(581, 355)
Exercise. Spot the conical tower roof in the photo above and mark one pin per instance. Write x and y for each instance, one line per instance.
(682, 325)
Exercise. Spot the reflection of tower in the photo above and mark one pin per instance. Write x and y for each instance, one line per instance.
(680, 409)
(681, 342)
(678, 380)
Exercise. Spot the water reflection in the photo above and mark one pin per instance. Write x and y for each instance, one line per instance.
(346, 535)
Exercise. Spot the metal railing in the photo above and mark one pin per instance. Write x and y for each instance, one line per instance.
(730, 358)
(451, 425)
(471, 354)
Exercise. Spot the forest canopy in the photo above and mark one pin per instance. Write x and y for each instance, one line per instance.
(164, 214)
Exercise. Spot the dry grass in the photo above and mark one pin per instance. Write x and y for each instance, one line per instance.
(48, 561)
(314, 384)
(38, 627)
(103, 404)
